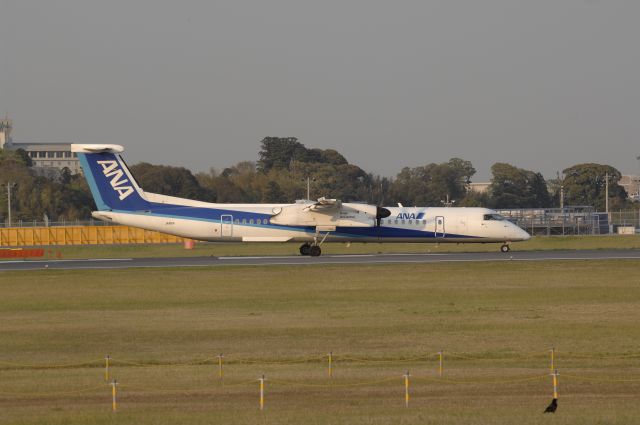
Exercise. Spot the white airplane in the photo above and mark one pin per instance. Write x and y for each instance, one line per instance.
(121, 201)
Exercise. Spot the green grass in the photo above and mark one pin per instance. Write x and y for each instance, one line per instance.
(504, 316)
(248, 249)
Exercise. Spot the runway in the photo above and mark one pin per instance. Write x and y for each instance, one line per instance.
(126, 263)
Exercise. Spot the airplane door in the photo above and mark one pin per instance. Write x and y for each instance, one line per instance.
(462, 226)
(226, 225)
(439, 232)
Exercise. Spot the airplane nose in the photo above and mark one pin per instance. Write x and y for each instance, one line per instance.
(521, 234)
(518, 234)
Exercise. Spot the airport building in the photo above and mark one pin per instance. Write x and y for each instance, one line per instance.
(480, 187)
(48, 158)
(631, 184)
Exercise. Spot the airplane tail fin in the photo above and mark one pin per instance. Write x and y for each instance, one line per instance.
(111, 183)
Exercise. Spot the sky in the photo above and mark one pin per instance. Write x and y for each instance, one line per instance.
(540, 84)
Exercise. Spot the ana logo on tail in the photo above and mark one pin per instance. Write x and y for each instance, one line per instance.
(110, 169)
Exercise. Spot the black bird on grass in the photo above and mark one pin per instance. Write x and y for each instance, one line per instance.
(552, 407)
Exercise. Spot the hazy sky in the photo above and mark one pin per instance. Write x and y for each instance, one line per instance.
(540, 84)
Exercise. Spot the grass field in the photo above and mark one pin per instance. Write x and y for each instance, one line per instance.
(224, 249)
(163, 327)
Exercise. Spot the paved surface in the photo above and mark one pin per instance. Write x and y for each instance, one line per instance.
(124, 263)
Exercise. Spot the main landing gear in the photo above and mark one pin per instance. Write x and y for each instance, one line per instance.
(505, 248)
(305, 248)
(313, 249)
(310, 250)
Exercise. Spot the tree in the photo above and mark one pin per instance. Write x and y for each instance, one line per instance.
(273, 193)
(288, 163)
(432, 183)
(23, 156)
(585, 184)
(513, 187)
(278, 152)
(463, 170)
(286, 153)
(331, 156)
(475, 199)
(167, 180)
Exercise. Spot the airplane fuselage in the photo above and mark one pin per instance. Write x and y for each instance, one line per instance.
(252, 223)
(121, 201)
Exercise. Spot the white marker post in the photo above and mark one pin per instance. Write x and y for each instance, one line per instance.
(106, 367)
(114, 405)
(220, 356)
(406, 389)
(262, 392)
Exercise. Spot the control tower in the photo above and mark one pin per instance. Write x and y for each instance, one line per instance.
(5, 132)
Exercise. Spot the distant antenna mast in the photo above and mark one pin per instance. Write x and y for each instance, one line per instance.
(448, 203)
(638, 179)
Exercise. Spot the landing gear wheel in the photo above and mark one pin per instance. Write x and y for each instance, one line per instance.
(315, 251)
(505, 248)
(304, 249)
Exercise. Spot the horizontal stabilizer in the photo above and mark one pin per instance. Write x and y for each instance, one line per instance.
(96, 148)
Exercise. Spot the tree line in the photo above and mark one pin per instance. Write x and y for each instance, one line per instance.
(285, 166)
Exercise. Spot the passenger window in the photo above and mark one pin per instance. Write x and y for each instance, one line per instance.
(424, 221)
(251, 221)
(402, 222)
(396, 221)
(244, 221)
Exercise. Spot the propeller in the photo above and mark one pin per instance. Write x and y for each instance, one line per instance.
(380, 214)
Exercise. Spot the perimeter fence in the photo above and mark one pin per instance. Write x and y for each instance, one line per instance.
(82, 235)
(572, 220)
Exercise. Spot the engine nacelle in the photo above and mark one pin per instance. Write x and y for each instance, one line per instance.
(328, 216)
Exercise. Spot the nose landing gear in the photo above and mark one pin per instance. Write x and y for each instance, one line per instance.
(505, 248)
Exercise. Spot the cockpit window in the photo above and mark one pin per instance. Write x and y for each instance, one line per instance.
(497, 217)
